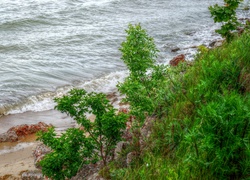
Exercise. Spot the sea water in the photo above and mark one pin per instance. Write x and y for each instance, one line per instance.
(48, 47)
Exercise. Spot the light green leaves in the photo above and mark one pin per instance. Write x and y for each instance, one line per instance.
(141, 87)
(138, 51)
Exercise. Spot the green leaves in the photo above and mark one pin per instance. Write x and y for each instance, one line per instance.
(219, 134)
(227, 15)
(138, 51)
(141, 86)
(69, 153)
(216, 141)
(74, 148)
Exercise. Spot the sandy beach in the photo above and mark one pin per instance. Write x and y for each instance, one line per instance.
(19, 159)
(59, 120)
(16, 157)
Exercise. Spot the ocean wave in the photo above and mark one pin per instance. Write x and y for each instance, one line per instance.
(24, 22)
(45, 101)
(13, 47)
(98, 2)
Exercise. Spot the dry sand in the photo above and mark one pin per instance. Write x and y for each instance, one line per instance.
(12, 164)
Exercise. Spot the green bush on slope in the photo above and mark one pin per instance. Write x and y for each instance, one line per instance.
(95, 141)
(205, 134)
(139, 54)
(202, 118)
(226, 15)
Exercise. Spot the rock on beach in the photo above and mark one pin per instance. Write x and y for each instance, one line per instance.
(176, 60)
(14, 133)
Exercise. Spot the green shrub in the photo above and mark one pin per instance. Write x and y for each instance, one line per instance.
(106, 129)
(73, 148)
(227, 15)
(138, 51)
(70, 152)
(141, 86)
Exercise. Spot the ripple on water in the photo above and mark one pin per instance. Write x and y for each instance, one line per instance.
(46, 45)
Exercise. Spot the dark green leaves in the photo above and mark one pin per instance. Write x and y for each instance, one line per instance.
(74, 148)
(69, 153)
(227, 15)
(219, 135)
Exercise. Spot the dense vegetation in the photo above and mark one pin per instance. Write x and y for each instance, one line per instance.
(199, 111)
(204, 132)
(94, 141)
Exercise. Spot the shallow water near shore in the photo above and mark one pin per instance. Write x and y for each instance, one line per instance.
(49, 47)
(57, 119)
(25, 141)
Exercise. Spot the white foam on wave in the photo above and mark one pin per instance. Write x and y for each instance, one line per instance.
(97, 2)
(19, 146)
(44, 101)
(202, 37)
(34, 104)
(105, 84)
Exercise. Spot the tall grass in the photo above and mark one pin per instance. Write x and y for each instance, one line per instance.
(204, 131)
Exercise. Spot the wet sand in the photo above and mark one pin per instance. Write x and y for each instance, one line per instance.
(59, 120)
(16, 157)
(12, 164)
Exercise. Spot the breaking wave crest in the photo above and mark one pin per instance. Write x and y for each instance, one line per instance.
(44, 101)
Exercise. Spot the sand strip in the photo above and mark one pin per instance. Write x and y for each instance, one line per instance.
(16, 162)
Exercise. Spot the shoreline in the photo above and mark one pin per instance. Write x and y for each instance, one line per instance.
(19, 160)
(12, 164)
(59, 120)
(17, 157)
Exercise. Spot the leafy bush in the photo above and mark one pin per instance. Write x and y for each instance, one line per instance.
(70, 151)
(138, 51)
(227, 15)
(205, 133)
(77, 147)
(142, 84)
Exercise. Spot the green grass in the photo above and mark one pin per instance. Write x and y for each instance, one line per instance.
(203, 131)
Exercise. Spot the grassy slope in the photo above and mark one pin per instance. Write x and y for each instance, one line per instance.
(204, 133)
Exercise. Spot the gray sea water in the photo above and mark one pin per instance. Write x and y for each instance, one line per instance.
(50, 46)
